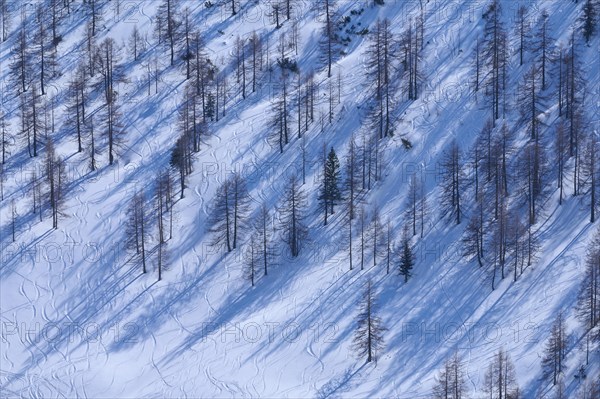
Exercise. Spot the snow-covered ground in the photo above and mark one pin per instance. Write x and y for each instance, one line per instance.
(79, 318)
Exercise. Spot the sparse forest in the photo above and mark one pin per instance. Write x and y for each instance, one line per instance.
(221, 191)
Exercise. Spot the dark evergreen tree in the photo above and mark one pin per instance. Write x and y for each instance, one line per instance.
(330, 192)
(589, 19)
(406, 258)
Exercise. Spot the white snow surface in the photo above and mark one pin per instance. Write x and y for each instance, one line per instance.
(80, 320)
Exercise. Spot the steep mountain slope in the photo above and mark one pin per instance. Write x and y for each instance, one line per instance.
(80, 319)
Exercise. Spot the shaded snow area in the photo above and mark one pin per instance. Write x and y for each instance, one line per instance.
(484, 151)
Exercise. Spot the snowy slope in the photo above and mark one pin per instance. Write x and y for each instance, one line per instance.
(79, 319)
